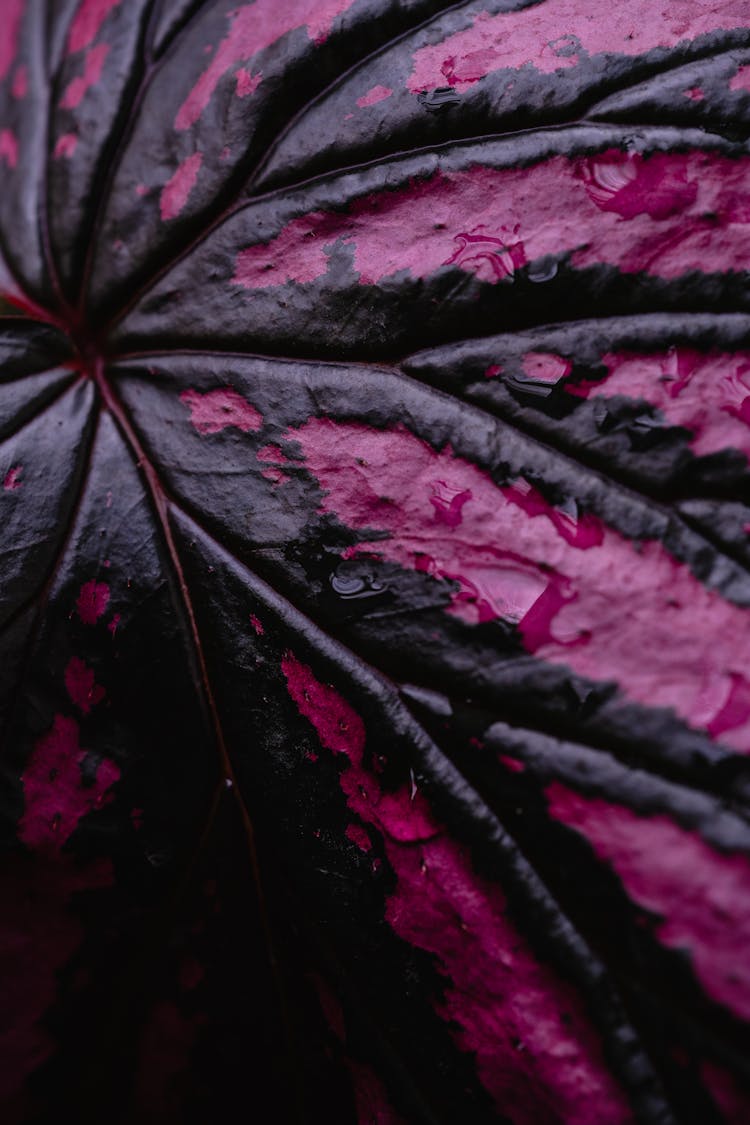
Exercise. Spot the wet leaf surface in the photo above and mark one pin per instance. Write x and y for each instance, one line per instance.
(374, 435)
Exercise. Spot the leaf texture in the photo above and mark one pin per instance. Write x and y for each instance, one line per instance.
(374, 436)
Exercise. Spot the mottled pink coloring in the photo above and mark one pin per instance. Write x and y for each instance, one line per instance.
(12, 13)
(294, 255)
(275, 475)
(741, 80)
(531, 1041)
(493, 222)
(341, 730)
(77, 88)
(247, 83)
(253, 28)
(359, 837)
(81, 685)
(532, 37)
(545, 367)
(707, 393)
(373, 96)
(56, 798)
(633, 185)
(87, 22)
(702, 896)
(257, 624)
(65, 145)
(9, 147)
(490, 256)
(580, 593)
(448, 502)
(511, 764)
(12, 479)
(174, 194)
(273, 453)
(695, 93)
(92, 601)
(582, 531)
(214, 411)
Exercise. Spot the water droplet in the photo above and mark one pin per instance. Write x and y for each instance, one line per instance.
(569, 507)
(157, 858)
(530, 386)
(646, 422)
(349, 584)
(439, 99)
(412, 785)
(541, 271)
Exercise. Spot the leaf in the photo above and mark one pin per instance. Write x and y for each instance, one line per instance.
(374, 385)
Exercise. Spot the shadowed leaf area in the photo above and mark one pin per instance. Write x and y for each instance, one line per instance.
(375, 562)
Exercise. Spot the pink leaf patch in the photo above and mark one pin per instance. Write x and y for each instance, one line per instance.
(580, 594)
(65, 146)
(55, 796)
(296, 254)
(493, 222)
(253, 28)
(544, 367)
(247, 83)
(92, 601)
(9, 147)
(341, 730)
(495, 993)
(87, 22)
(702, 895)
(175, 192)
(222, 409)
(554, 35)
(92, 71)
(13, 479)
(358, 836)
(373, 96)
(81, 686)
(741, 80)
(707, 393)
(12, 13)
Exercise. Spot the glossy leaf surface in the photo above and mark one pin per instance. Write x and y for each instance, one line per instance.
(374, 589)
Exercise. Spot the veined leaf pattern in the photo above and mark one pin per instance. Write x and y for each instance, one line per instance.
(374, 435)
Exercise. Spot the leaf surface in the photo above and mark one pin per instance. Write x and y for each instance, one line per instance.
(374, 435)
